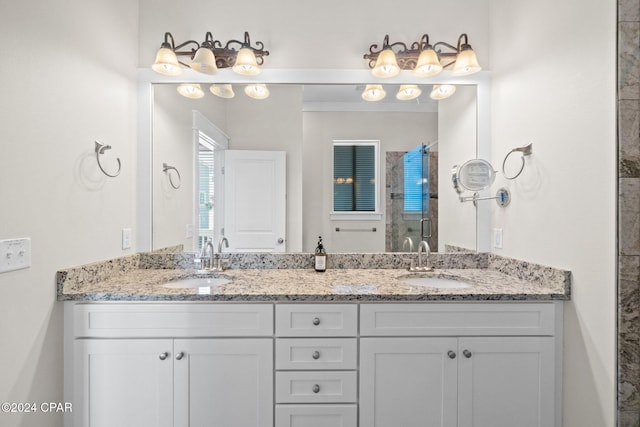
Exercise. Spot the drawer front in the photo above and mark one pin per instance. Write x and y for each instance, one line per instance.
(453, 319)
(316, 353)
(316, 416)
(172, 320)
(316, 387)
(317, 320)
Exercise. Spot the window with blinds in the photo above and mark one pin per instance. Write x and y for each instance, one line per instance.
(355, 176)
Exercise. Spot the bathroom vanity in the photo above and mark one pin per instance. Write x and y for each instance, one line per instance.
(351, 347)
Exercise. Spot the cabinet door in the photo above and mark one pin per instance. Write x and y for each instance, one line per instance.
(506, 381)
(224, 382)
(408, 382)
(123, 382)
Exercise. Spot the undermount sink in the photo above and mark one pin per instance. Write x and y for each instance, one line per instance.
(436, 281)
(198, 282)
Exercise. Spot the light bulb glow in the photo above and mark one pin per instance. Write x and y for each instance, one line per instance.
(408, 92)
(257, 91)
(373, 93)
(166, 63)
(442, 91)
(246, 63)
(190, 90)
(386, 64)
(204, 61)
(223, 91)
(428, 64)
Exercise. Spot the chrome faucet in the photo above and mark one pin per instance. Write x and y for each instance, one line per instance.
(424, 246)
(219, 264)
(206, 258)
(408, 241)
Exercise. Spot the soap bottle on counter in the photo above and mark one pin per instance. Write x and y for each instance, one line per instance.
(320, 257)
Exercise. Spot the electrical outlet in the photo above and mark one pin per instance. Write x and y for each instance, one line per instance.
(126, 238)
(15, 254)
(497, 238)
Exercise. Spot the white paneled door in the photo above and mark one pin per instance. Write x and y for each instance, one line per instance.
(255, 200)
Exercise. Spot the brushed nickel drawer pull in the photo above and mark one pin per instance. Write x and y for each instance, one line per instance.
(316, 355)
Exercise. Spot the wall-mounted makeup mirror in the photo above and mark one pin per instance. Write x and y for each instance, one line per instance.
(302, 120)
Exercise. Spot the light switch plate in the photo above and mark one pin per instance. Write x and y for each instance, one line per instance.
(126, 238)
(497, 238)
(15, 254)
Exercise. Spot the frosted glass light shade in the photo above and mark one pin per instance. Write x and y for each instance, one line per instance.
(408, 92)
(223, 91)
(246, 63)
(166, 63)
(204, 61)
(428, 64)
(257, 91)
(466, 63)
(190, 90)
(442, 91)
(386, 64)
(373, 93)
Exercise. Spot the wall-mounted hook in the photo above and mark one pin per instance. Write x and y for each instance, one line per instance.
(166, 168)
(100, 149)
(526, 151)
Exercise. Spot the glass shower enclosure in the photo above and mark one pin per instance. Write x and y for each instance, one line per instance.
(412, 199)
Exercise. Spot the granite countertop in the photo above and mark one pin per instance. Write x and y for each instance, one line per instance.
(132, 281)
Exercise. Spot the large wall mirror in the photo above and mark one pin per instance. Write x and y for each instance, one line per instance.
(418, 140)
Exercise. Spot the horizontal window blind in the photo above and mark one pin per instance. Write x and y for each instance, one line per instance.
(354, 178)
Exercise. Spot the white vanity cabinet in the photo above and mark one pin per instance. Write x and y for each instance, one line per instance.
(459, 365)
(170, 364)
(316, 365)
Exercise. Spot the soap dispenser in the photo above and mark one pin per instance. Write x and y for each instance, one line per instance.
(320, 257)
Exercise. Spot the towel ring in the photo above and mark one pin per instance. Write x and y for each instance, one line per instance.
(526, 151)
(100, 149)
(166, 168)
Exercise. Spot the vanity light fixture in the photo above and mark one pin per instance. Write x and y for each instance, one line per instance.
(408, 92)
(442, 91)
(209, 56)
(223, 91)
(190, 90)
(373, 93)
(422, 58)
(257, 91)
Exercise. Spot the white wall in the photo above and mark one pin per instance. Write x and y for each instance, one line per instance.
(68, 78)
(553, 65)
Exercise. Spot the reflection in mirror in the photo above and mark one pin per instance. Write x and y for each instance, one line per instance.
(303, 121)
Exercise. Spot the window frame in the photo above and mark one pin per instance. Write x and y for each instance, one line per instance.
(374, 215)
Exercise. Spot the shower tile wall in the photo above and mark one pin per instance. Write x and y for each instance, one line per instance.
(629, 213)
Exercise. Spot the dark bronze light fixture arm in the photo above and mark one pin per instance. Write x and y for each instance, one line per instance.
(225, 56)
(372, 56)
(408, 58)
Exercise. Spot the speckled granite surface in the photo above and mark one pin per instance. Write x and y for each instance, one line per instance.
(365, 277)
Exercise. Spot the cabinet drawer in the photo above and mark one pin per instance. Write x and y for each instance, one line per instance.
(316, 353)
(172, 320)
(454, 319)
(317, 320)
(316, 416)
(316, 387)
